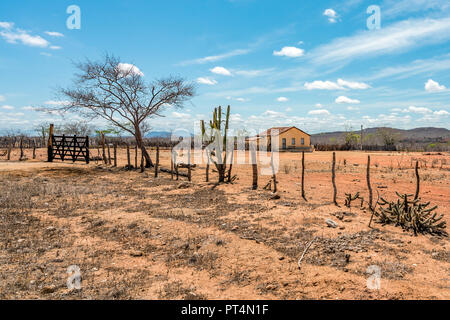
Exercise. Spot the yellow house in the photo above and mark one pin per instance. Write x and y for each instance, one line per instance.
(290, 138)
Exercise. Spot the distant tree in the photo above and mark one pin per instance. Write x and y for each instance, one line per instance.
(79, 128)
(351, 139)
(389, 137)
(117, 93)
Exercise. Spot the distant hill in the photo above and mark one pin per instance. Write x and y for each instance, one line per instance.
(158, 134)
(417, 135)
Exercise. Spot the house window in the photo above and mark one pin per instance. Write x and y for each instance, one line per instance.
(293, 141)
(303, 141)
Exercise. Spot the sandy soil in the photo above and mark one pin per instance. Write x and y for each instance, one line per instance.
(134, 236)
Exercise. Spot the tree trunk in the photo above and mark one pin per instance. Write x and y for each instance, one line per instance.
(140, 143)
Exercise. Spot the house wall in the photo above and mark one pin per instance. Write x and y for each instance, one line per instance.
(298, 135)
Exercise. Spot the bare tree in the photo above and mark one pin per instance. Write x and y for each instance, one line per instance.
(80, 128)
(117, 93)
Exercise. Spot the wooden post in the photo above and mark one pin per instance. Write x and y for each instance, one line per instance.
(142, 162)
(231, 163)
(157, 161)
(128, 157)
(189, 165)
(274, 176)
(115, 154)
(135, 157)
(175, 164)
(303, 176)
(109, 154)
(370, 190)
(21, 149)
(207, 165)
(105, 161)
(50, 144)
(416, 196)
(254, 166)
(34, 149)
(171, 163)
(88, 154)
(333, 179)
(9, 152)
(368, 183)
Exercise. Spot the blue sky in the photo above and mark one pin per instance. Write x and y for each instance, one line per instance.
(311, 64)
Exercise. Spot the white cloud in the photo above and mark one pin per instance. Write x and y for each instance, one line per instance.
(16, 36)
(344, 99)
(180, 115)
(319, 112)
(396, 37)
(57, 103)
(352, 84)
(230, 54)
(6, 25)
(28, 108)
(7, 107)
(322, 85)
(242, 99)
(331, 14)
(433, 86)
(352, 108)
(2, 98)
(205, 80)
(128, 69)
(319, 105)
(414, 109)
(54, 34)
(441, 113)
(289, 109)
(220, 70)
(339, 85)
(282, 99)
(254, 73)
(55, 47)
(291, 52)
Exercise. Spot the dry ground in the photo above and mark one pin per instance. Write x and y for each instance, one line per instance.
(137, 237)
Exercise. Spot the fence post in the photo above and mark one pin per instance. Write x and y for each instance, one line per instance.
(333, 179)
(88, 156)
(274, 176)
(416, 196)
(142, 162)
(128, 157)
(21, 149)
(189, 165)
(157, 161)
(303, 176)
(105, 161)
(115, 154)
(50, 144)
(135, 157)
(109, 154)
(370, 190)
(9, 152)
(34, 149)
(254, 165)
(231, 163)
(171, 163)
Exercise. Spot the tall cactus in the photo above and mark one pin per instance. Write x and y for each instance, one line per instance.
(219, 137)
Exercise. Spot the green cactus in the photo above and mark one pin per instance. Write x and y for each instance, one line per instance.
(411, 215)
(218, 132)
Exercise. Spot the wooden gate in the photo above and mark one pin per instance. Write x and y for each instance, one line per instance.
(68, 148)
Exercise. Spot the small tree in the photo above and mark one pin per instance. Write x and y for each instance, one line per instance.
(389, 137)
(117, 93)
